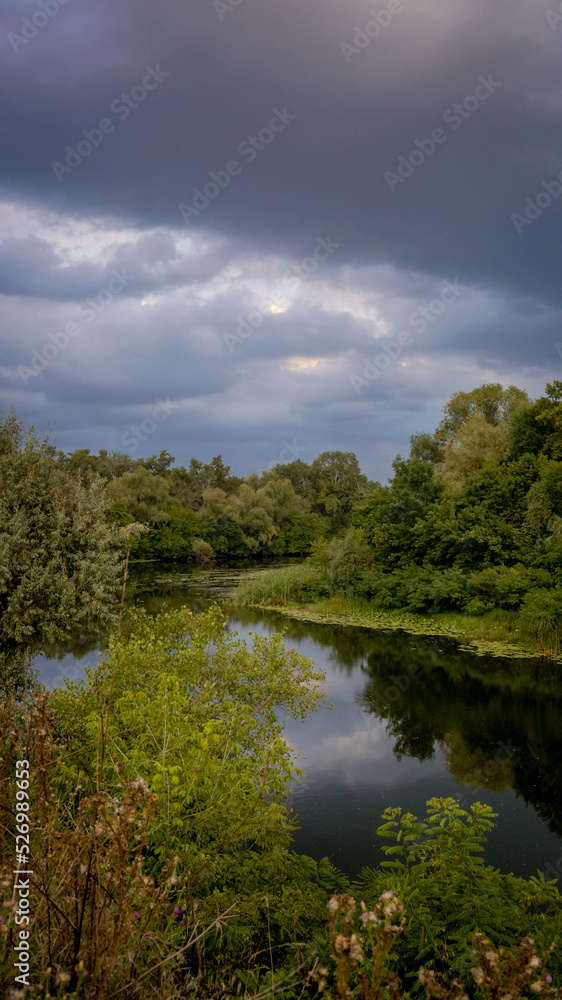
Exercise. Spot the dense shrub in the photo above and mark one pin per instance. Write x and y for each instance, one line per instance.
(541, 618)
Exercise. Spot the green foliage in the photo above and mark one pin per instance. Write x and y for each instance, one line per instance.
(338, 486)
(225, 536)
(345, 557)
(283, 511)
(118, 515)
(196, 715)
(143, 494)
(60, 562)
(470, 523)
(172, 540)
(538, 429)
(305, 582)
(449, 893)
(299, 532)
(496, 405)
(541, 617)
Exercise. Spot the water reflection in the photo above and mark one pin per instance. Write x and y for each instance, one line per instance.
(412, 718)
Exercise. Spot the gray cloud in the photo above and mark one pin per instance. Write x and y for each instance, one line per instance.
(360, 113)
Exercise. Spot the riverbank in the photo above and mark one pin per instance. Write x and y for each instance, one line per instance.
(496, 633)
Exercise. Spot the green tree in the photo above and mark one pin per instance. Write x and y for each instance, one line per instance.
(172, 540)
(538, 429)
(390, 515)
(196, 717)
(492, 402)
(143, 494)
(158, 464)
(187, 486)
(298, 533)
(224, 535)
(79, 462)
(300, 475)
(113, 464)
(338, 486)
(60, 562)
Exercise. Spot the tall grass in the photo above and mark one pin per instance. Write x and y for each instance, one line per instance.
(300, 583)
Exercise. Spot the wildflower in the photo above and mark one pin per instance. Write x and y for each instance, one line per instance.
(536, 987)
(181, 923)
(136, 914)
(140, 785)
(176, 910)
(341, 943)
(355, 948)
(534, 962)
(322, 983)
(549, 979)
(333, 904)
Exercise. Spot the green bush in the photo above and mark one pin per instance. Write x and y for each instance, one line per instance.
(449, 893)
(185, 713)
(171, 540)
(297, 534)
(541, 618)
(225, 536)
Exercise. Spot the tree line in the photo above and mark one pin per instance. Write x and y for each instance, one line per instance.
(203, 512)
(471, 521)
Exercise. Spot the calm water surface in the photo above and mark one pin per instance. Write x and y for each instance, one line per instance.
(411, 718)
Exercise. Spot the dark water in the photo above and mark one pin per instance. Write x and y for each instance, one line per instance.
(411, 718)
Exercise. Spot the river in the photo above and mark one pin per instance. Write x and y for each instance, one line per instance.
(412, 718)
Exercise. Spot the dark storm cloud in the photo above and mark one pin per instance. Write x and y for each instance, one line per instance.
(354, 119)
(419, 152)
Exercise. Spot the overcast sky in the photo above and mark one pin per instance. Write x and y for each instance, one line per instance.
(270, 228)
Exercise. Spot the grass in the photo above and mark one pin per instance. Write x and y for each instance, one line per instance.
(302, 592)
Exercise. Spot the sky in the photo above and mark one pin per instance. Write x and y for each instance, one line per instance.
(273, 229)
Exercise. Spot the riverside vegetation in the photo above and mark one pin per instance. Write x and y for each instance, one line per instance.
(468, 533)
(466, 540)
(162, 864)
(160, 835)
